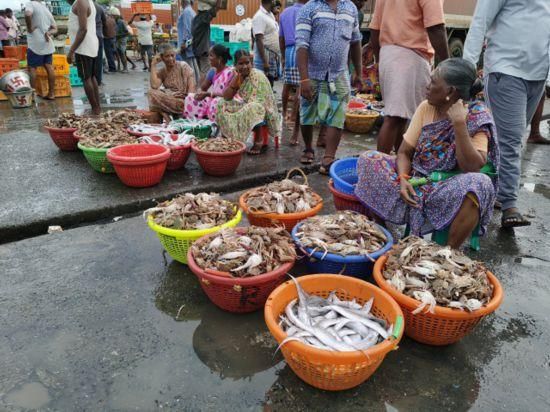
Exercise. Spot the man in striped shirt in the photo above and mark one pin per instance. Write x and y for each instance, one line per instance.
(326, 32)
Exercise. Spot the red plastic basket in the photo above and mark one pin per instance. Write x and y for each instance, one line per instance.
(139, 165)
(63, 138)
(178, 156)
(238, 295)
(219, 163)
(343, 201)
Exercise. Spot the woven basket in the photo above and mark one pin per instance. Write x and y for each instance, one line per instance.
(445, 325)
(360, 123)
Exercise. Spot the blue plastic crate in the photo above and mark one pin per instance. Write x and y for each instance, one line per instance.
(217, 35)
(74, 78)
(60, 8)
(356, 266)
(344, 175)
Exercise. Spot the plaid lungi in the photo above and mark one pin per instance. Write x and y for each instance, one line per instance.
(292, 75)
(274, 63)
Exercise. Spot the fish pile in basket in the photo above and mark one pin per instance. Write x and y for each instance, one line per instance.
(192, 212)
(219, 145)
(437, 275)
(66, 120)
(332, 324)
(344, 233)
(144, 128)
(251, 252)
(284, 196)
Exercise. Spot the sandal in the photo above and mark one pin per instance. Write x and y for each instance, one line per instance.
(324, 169)
(513, 219)
(257, 149)
(308, 157)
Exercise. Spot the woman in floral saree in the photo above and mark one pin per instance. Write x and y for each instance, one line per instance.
(444, 135)
(248, 102)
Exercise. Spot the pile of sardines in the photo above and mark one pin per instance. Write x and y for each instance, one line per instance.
(245, 252)
(332, 324)
(343, 233)
(285, 196)
(192, 212)
(437, 275)
(219, 145)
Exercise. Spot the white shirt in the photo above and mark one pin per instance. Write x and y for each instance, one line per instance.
(144, 32)
(90, 45)
(42, 19)
(264, 23)
(518, 37)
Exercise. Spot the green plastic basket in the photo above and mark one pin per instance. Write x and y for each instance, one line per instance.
(97, 158)
(201, 132)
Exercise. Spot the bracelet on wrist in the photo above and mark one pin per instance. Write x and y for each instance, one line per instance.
(304, 80)
(403, 176)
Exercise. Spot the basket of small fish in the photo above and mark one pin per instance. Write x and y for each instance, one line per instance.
(360, 120)
(334, 331)
(62, 130)
(342, 243)
(281, 203)
(139, 165)
(238, 268)
(96, 142)
(344, 201)
(182, 220)
(442, 292)
(179, 145)
(219, 156)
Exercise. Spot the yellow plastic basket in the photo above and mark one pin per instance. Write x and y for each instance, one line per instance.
(177, 242)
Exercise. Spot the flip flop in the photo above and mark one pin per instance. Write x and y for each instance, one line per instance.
(514, 219)
(308, 157)
(324, 169)
(254, 151)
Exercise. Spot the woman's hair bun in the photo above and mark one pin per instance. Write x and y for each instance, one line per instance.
(476, 87)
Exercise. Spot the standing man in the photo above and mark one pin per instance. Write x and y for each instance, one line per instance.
(185, 42)
(84, 47)
(121, 39)
(404, 34)
(517, 33)
(13, 31)
(287, 44)
(267, 55)
(326, 32)
(109, 40)
(145, 38)
(40, 29)
(4, 28)
(200, 31)
(99, 24)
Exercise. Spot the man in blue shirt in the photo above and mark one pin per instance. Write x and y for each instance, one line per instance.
(326, 32)
(515, 69)
(185, 21)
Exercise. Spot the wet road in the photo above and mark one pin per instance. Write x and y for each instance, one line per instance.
(95, 318)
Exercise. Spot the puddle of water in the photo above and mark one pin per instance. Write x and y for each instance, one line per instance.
(29, 396)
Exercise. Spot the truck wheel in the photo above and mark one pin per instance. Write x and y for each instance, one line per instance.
(456, 47)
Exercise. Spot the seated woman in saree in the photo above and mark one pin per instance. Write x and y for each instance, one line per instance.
(177, 80)
(204, 104)
(446, 136)
(248, 102)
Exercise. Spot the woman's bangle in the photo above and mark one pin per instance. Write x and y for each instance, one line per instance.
(403, 176)
(304, 80)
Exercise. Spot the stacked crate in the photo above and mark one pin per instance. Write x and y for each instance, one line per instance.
(7, 65)
(62, 81)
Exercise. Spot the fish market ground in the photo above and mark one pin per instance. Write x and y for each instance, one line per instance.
(88, 318)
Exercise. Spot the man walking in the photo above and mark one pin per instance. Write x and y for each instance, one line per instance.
(145, 38)
(185, 42)
(40, 29)
(287, 44)
(109, 40)
(84, 48)
(515, 68)
(267, 55)
(13, 31)
(404, 34)
(326, 32)
(121, 39)
(200, 31)
(99, 24)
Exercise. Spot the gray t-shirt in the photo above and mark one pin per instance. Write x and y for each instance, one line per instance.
(42, 20)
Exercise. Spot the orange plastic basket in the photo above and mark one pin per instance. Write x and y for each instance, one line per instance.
(7, 65)
(60, 66)
(62, 86)
(288, 220)
(16, 52)
(330, 370)
(445, 325)
(141, 7)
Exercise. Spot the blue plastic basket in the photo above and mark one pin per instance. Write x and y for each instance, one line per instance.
(344, 175)
(74, 78)
(356, 266)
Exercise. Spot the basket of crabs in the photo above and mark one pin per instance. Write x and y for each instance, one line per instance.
(239, 267)
(443, 293)
(184, 219)
(281, 203)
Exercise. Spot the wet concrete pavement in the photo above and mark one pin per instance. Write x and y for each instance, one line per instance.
(94, 318)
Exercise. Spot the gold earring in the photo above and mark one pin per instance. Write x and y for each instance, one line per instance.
(447, 98)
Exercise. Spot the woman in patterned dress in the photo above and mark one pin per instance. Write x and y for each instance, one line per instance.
(248, 102)
(204, 104)
(444, 135)
(176, 79)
